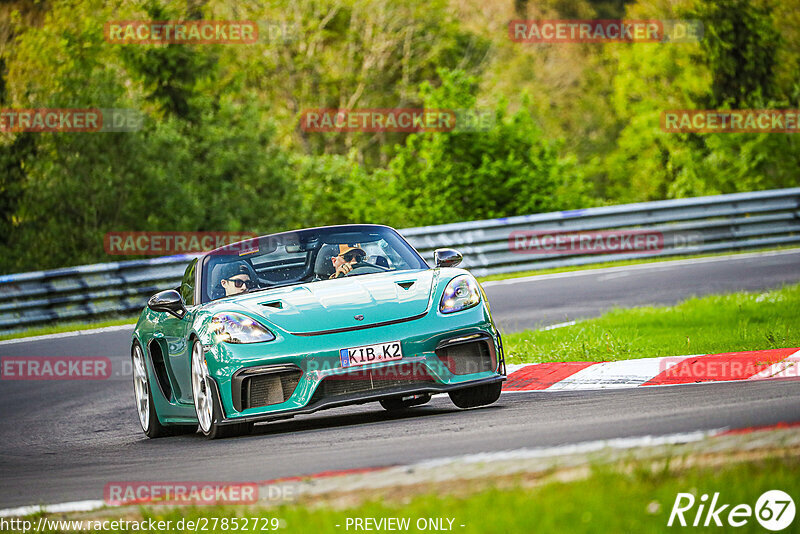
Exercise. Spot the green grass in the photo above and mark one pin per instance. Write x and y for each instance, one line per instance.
(718, 323)
(602, 265)
(67, 327)
(632, 497)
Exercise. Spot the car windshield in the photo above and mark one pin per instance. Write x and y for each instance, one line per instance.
(306, 256)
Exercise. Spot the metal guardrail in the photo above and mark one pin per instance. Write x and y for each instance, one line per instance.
(689, 226)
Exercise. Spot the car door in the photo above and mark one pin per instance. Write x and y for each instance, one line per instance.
(176, 337)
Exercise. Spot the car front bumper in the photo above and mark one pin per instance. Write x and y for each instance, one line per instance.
(317, 358)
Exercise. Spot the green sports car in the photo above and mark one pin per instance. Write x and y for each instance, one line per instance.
(296, 322)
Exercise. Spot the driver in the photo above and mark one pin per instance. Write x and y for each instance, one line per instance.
(348, 256)
(235, 278)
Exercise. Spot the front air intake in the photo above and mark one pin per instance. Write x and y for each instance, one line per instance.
(467, 358)
(265, 386)
(379, 380)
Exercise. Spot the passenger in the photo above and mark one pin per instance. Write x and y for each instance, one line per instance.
(348, 256)
(236, 278)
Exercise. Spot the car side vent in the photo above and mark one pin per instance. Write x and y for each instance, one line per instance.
(277, 304)
(406, 285)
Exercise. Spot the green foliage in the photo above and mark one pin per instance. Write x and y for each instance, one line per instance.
(169, 74)
(733, 66)
(12, 175)
(221, 148)
(350, 54)
(510, 169)
(337, 190)
(740, 49)
(197, 164)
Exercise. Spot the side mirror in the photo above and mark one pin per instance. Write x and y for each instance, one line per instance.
(169, 301)
(447, 257)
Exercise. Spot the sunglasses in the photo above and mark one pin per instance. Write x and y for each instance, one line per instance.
(348, 256)
(240, 283)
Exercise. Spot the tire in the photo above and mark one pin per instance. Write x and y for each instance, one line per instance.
(395, 404)
(476, 395)
(143, 396)
(206, 405)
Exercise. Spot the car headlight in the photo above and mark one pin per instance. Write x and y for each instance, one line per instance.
(238, 328)
(461, 293)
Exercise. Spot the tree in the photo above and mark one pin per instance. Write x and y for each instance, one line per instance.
(740, 47)
(733, 65)
(348, 54)
(457, 176)
(203, 160)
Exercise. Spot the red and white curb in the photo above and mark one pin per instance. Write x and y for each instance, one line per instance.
(698, 368)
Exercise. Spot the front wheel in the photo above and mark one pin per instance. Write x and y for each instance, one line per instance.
(205, 403)
(476, 395)
(145, 408)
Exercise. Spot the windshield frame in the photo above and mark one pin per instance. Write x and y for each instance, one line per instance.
(236, 248)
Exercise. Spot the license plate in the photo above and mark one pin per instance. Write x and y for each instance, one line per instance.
(382, 352)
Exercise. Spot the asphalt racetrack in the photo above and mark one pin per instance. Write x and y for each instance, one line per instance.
(63, 441)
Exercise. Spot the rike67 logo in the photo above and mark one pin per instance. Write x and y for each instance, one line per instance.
(774, 510)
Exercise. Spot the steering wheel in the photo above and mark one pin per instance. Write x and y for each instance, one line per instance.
(366, 268)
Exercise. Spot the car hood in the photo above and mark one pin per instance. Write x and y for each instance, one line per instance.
(335, 304)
